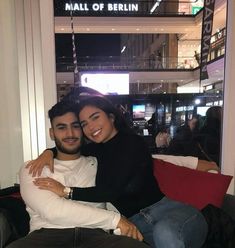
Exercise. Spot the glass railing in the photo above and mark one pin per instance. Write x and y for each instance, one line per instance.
(134, 63)
(128, 8)
(64, 64)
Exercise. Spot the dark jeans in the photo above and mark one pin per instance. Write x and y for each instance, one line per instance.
(75, 237)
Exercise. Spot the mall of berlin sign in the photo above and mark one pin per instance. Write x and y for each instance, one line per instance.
(86, 6)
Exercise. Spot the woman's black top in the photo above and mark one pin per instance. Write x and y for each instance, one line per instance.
(124, 176)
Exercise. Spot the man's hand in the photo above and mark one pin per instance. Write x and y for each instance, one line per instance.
(129, 229)
(36, 166)
(204, 165)
(50, 184)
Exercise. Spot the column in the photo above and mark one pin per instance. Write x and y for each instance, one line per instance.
(228, 139)
(28, 85)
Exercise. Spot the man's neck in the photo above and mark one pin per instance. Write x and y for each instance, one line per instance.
(66, 157)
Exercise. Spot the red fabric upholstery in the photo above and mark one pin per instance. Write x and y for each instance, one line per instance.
(194, 187)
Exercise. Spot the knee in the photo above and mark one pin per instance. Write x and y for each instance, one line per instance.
(165, 232)
(189, 232)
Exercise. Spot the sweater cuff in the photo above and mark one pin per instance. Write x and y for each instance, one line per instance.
(116, 220)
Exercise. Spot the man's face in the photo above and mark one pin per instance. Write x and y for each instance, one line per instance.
(67, 134)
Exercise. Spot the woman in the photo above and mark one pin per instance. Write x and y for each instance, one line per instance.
(125, 178)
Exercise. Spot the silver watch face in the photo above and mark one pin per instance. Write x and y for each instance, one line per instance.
(67, 190)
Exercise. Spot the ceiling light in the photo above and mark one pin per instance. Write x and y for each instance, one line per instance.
(155, 6)
(123, 49)
(113, 29)
(137, 29)
(62, 29)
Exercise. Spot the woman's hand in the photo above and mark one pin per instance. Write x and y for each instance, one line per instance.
(129, 229)
(50, 184)
(36, 166)
(204, 165)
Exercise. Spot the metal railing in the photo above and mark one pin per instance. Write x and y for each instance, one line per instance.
(65, 64)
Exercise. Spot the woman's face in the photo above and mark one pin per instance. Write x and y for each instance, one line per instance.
(96, 124)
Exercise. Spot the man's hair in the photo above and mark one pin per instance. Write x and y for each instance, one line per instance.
(62, 108)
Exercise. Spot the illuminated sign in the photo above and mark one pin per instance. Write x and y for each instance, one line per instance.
(184, 108)
(123, 7)
(196, 9)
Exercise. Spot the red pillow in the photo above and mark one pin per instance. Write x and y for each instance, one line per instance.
(197, 188)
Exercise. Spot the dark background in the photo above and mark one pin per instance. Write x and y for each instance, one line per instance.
(88, 45)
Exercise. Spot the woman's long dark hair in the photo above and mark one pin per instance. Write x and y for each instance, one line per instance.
(105, 105)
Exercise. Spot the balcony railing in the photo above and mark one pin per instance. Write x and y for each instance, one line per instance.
(119, 63)
(65, 64)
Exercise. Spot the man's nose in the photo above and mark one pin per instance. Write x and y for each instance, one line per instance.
(70, 132)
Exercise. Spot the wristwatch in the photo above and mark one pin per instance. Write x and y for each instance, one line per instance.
(67, 191)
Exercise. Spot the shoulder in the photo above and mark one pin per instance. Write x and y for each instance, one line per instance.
(87, 167)
(88, 162)
(90, 149)
(134, 144)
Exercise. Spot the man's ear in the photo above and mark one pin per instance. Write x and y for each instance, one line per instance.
(51, 132)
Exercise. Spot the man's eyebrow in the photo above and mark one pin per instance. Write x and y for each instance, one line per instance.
(75, 122)
(60, 124)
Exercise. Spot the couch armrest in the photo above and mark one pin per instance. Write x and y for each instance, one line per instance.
(5, 229)
(229, 205)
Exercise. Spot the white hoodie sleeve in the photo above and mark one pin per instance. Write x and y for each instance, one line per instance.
(188, 161)
(62, 212)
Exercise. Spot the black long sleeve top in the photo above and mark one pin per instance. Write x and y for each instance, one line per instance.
(124, 175)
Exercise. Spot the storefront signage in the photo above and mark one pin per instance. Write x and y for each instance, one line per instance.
(207, 24)
(184, 108)
(86, 6)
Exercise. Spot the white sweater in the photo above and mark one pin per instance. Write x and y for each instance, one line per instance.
(47, 210)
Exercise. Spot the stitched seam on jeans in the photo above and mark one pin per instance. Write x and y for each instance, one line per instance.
(189, 219)
(147, 217)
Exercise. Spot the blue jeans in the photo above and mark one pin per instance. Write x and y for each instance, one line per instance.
(171, 224)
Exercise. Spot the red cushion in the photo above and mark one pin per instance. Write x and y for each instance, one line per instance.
(194, 187)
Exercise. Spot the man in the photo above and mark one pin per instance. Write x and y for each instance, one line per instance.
(59, 222)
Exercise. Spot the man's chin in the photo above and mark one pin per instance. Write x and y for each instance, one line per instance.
(69, 151)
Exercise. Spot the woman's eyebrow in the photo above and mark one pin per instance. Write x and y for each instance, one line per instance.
(97, 112)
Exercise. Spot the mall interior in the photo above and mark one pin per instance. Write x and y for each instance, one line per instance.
(157, 68)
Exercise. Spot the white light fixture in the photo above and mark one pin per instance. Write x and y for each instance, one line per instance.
(155, 6)
(197, 101)
(123, 49)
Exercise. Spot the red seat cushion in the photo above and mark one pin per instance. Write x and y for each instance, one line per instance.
(194, 187)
